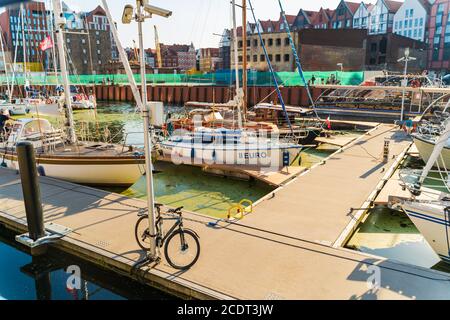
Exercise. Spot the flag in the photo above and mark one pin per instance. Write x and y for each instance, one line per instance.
(46, 44)
(328, 122)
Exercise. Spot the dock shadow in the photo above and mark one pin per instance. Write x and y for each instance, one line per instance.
(404, 280)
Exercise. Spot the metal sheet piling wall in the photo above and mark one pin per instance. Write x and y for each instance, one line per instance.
(179, 94)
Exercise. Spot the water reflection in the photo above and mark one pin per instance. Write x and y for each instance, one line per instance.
(23, 277)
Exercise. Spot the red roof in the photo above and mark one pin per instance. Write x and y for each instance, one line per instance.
(353, 6)
(393, 6)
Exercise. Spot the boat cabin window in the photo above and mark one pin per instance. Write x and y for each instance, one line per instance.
(35, 127)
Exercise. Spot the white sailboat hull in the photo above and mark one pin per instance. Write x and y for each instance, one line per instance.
(433, 223)
(120, 174)
(182, 153)
(426, 148)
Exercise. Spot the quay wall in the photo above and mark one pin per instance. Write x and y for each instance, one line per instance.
(179, 94)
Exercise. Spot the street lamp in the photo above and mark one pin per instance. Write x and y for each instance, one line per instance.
(138, 15)
(405, 59)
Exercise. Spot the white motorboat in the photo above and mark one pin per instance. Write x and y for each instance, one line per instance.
(228, 147)
(16, 107)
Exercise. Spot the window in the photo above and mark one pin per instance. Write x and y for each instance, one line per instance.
(440, 8)
(270, 57)
(255, 43)
(356, 22)
(278, 57)
(339, 25)
(410, 23)
(270, 42)
(415, 33)
(287, 42)
(98, 52)
(248, 43)
(262, 58)
(239, 43)
(84, 51)
(347, 23)
(287, 58)
(99, 61)
(240, 58)
(83, 41)
(278, 42)
(421, 22)
(396, 25)
(98, 41)
(85, 61)
(416, 22)
(407, 14)
(255, 58)
(68, 40)
(410, 33)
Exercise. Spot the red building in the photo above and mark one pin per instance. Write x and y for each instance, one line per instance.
(178, 56)
(342, 17)
(33, 18)
(439, 36)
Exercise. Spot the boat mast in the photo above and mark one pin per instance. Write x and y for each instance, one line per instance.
(4, 62)
(236, 65)
(244, 58)
(24, 48)
(59, 27)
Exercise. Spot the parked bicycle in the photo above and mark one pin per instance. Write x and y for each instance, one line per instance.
(181, 245)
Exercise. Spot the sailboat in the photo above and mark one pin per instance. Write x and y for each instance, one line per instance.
(428, 209)
(217, 141)
(60, 155)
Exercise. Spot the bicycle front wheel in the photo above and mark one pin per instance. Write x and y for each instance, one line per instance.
(182, 249)
(141, 233)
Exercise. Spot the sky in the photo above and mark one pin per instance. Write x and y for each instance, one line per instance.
(196, 20)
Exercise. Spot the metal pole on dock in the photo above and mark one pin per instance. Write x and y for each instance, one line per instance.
(147, 134)
(31, 190)
(405, 59)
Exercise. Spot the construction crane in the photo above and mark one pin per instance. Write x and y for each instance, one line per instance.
(158, 49)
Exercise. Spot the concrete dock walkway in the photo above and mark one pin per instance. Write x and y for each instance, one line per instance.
(280, 251)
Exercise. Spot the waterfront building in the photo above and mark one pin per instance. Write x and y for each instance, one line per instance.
(35, 29)
(411, 19)
(181, 57)
(303, 20)
(209, 59)
(361, 16)
(224, 50)
(321, 19)
(342, 17)
(381, 16)
(383, 51)
(91, 48)
(439, 36)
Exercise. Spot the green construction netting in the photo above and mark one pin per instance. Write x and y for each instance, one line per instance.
(224, 78)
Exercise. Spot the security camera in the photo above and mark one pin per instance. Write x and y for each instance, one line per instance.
(127, 14)
(158, 11)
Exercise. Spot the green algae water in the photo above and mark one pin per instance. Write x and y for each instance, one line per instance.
(198, 191)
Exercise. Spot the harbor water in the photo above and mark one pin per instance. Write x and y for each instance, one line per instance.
(55, 277)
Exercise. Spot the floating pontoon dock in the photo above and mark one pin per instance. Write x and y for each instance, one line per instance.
(286, 249)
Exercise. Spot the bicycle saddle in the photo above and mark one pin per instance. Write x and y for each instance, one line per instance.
(177, 210)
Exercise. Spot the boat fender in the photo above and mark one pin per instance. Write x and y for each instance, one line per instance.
(214, 155)
(192, 153)
(41, 171)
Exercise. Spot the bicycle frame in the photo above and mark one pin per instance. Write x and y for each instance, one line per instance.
(178, 224)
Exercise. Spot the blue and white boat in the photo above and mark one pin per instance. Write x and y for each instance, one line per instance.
(427, 208)
(208, 146)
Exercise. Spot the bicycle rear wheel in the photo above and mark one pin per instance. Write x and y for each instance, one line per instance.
(182, 249)
(141, 233)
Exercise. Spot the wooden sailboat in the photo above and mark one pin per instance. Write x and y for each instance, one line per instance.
(58, 152)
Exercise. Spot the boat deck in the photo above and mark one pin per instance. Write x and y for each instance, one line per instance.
(283, 250)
